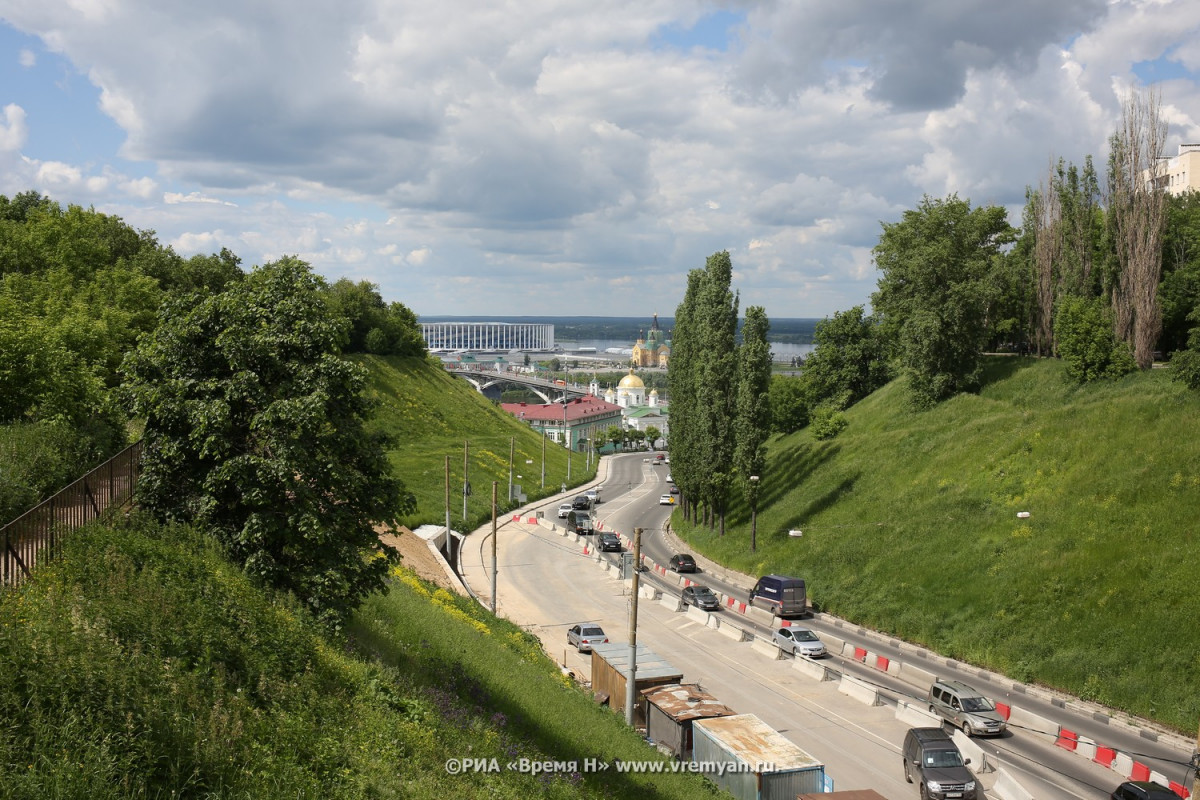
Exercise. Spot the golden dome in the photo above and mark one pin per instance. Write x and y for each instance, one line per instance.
(631, 381)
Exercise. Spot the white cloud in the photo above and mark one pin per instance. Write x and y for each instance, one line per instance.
(26, 58)
(458, 154)
(13, 130)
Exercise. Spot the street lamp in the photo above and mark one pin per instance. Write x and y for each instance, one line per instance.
(753, 512)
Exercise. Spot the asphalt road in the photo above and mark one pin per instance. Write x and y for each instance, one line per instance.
(547, 584)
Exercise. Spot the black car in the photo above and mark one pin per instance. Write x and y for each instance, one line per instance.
(1143, 790)
(682, 562)
(701, 597)
(582, 503)
(609, 542)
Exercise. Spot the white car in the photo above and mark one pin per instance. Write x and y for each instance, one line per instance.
(564, 510)
(595, 495)
(799, 640)
(666, 500)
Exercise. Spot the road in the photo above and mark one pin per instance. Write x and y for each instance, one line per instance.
(547, 584)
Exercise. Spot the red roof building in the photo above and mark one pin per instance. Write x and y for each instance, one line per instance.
(581, 420)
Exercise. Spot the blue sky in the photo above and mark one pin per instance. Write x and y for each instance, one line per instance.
(468, 160)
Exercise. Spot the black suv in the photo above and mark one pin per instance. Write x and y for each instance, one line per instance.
(1143, 790)
(682, 562)
(609, 542)
(931, 757)
(582, 503)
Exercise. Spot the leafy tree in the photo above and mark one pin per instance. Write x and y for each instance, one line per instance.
(1179, 291)
(850, 360)
(373, 326)
(682, 376)
(255, 433)
(716, 387)
(789, 402)
(827, 421)
(1084, 331)
(653, 434)
(1185, 365)
(752, 423)
(935, 298)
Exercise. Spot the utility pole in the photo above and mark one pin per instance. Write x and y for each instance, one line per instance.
(511, 445)
(447, 496)
(567, 437)
(466, 481)
(494, 485)
(631, 680)
(543, 486)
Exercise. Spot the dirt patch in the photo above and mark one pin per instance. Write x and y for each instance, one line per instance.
(416, 556)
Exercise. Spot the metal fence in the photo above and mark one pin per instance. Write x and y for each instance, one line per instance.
(36, 535)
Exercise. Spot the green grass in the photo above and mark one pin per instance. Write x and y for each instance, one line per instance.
(432, 414)
(142, 664)
(910, 526)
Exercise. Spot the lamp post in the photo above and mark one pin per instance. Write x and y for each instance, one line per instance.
(753, 513)
(567, 438)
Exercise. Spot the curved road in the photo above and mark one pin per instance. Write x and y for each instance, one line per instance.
(546, 584)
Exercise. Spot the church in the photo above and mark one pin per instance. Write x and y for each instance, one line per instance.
(638, 410)
(654, 350)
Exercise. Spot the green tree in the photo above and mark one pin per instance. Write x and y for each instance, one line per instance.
(255, 433)
(1179, 291)
(1185, 365)
(1083, 329)
(935, 297)
(716, 388)
(682, 376)
(789, 404)
(653, 434)
(850, 359)
(752, 422)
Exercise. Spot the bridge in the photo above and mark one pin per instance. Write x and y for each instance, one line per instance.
(484, 376)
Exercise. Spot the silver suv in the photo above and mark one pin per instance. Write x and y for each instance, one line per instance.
(965, 708)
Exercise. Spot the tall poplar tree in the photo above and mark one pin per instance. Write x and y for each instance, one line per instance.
(752, 424)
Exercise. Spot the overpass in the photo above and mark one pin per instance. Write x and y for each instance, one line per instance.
(484, 376)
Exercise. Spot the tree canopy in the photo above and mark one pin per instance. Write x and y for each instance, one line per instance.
(255, 433)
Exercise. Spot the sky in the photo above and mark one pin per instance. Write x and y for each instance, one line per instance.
(537, 157)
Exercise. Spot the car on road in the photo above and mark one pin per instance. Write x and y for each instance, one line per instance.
(609, 542)
(584, 635)
(964, 707)
(666, 459)
(564, 509)
(582, 503)
(594, 494)
(931, 757)
(669, 478)
(1143, 790)
(666, 500)
(701, 597)
(683, 562)
(674, 490)
(659, 459)
(799, 640)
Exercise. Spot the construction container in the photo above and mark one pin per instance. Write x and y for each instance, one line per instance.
(670, 711)
(610, 670)
(750, 760)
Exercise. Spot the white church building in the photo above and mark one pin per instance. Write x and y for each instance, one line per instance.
(638, 409)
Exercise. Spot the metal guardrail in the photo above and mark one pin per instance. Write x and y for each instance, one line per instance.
(36, 536)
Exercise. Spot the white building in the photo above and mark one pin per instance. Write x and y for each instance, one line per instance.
(1180, 173)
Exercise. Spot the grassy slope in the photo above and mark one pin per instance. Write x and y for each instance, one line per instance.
(431, 414)
(141, 664)
(910, 526)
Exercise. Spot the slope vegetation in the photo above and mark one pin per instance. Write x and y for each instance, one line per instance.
(910, 525)
(432, 415)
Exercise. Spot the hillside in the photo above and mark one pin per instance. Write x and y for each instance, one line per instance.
(910, 526)
(430, 414)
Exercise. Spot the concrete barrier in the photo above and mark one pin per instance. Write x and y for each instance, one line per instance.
(1035, 723)
(812, 669)
(833, 644)
(1123, 765)
(971, 749)
(697, 614)
(728, 628)
(1007, 788)
(915, 676)
(916, 715)
(858, 690)
(647, 591)
(670, 601)
(761, 617)
(766, 647)
(713, 621)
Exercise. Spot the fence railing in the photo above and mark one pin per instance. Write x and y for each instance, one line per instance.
(36, 536)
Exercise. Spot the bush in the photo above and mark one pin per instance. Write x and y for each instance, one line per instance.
(827, 422)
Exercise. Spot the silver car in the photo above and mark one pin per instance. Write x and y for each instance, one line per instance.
(564, 510)
(964, 707)
(584, 635)
(799, 640)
